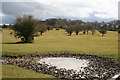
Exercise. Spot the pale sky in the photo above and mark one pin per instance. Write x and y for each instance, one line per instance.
(86, 10)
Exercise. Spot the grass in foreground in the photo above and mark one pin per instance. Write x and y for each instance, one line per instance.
(10, 71)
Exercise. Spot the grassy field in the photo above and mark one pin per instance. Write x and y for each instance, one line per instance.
(58, 41)
(10, 71)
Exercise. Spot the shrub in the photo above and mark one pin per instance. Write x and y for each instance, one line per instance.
(77, 29)
(4, 26)
(102, 30)
(43, 28)
(24, 28)
(70, 29)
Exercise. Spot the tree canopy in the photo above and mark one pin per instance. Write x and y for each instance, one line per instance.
(24, 28)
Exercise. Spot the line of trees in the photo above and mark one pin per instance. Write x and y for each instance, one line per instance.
(85, 28)
(26, 26)
(79, 26)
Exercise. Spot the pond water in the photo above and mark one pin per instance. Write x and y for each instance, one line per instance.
(67, 63)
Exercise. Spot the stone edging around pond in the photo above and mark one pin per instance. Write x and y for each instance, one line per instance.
(98, 67)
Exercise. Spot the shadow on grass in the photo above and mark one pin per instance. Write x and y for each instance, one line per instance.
(16, 43)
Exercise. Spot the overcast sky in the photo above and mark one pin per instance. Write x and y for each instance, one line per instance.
(86, 10)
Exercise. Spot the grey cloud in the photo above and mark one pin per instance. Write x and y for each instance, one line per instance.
(119, 10)
(15, 8)
(48, 10)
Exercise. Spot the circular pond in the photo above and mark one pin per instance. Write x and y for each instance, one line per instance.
(67, 63)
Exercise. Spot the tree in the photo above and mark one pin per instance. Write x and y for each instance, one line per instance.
(51, 22)
(85, 28)
(49, 27)
(70, 29)
(92, 29)
(43, 28)
(102, 30)
(4, 26)
(24, 28)
(77, 29)
(56, 26)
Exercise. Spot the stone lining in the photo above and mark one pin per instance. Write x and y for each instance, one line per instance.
(98, 67)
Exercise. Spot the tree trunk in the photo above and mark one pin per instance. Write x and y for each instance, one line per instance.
(70, 33)
(77, 33)
(29, 39)
(22, 39)
(93, 32)
(102, 34)
(41, 33)
(84, 32)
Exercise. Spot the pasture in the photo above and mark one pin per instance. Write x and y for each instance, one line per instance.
(10, 71)
(57, 41)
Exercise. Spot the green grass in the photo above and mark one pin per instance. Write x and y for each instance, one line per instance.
(57, 41)
(11, 71)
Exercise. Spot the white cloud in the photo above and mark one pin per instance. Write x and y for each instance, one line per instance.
(83, 8)
(18, 0)
(103, 16)
(1, 14)
(72, 9)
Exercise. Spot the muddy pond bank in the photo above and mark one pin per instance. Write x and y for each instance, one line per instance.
(96, 67)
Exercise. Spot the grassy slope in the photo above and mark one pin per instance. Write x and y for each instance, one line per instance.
(57, 41)
(10, 71)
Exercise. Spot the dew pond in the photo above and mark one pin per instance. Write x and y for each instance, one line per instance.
(67, 63)
(68, 66)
